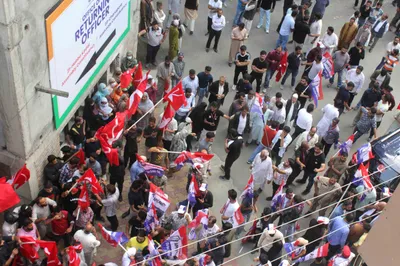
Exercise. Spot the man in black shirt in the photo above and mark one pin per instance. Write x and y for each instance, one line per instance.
(137, 223)
(211, 119)
(258, 67)
(315, 163)
(77, 133)
(293, 67)
(303, 91)
(132, 137)
(342, 97)
(301, 30)
(51, 171)
(356, 54)
(151, 132)
(242, 60)
(135, 199)
(233, 146)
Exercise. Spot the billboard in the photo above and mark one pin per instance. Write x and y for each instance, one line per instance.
(81, 37)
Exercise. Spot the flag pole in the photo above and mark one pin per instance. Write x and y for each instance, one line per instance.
(78, 212)
(143, 116)
(119, 244)
(341, 199)
(302, 93)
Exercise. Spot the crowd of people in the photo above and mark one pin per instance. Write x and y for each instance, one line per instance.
(256, 116)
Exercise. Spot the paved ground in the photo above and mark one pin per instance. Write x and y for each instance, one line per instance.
(196, 57)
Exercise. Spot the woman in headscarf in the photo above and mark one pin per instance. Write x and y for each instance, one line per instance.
(116, 94)
(128, 61)
(102, 91)
(178, 142)
(197, 116)
(151, 88)
(112, 84)
(173, 39)
(144, 106)
(123, 103)
(90, 115)
(105, 111)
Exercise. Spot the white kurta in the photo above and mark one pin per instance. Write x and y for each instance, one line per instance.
(262, 170)
(174, 6)
(330, 112)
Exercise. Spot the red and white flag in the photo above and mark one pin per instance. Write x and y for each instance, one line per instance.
(363, 154)
(176, 97)
(8, 196)
(20, 178)
(346, 146)
(282, 66)
(192, 157)
(73, 257)
(167, 117)
(158, 198)
(126, 78)
(83, 200)
(81, 156)
(320, 252)
(51, 251)
(90, 177)
(175, 245)
(136, 96)
(138, 77)
(201, 219)
(248, 190)
(237, 218)
(29, 249)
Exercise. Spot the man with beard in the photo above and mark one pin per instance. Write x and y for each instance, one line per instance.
(88, 241)
(165, 71)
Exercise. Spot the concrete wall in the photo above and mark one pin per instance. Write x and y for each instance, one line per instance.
(27, 115)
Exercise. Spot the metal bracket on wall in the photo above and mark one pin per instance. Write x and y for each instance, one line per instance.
(40, 88)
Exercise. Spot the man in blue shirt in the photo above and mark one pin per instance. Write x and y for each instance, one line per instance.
(338, 231)
(205, 80)
(241, 5)
(340, 210)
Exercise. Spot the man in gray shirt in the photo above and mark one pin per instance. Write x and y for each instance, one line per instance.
(340, 61)
(205, 143)
(179, 65)
(366, 123)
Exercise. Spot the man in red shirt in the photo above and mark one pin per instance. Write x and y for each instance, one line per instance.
(273, 58)
(61, 226)
(269, 134)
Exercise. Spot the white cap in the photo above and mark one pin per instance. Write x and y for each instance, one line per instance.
(295, 95)
(149, 76)
(144, 158)
(271, 229)
(182, 209)
(203, 187)
(323, 220)
(131, 252)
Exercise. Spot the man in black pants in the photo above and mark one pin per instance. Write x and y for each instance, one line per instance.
(242, 60)
(233, 146)
(258, 67)
(218, 23)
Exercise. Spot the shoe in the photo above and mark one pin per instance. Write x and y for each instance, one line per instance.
(369, 139)
(259, 26)
(248, 162)
(305, 192)
(206, 34)
(222, 177)
(268, 198)
(293, 88)
(216, 50)
(259, 190)
(301, 181)
(101, 219)
(207, 49)
(264, 90)
(225, 5)
(230, 64)
(281, 87)
(222, 168)
(120, 198)
(234, 87)
(267, 31)
(191, 32)
(370, 50)
(154, 64)
(125, 214)
(148, 66)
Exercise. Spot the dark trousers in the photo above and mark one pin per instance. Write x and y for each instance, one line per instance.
(230, 159)
(295, 173)
(289, 72)
(258, 79)
(275, 157)
(129, 159)
(216, 34)
(333, 250)
(209, 23)
(237, 72)
(352, 95)
(310, 175)
(151, 53)
(357, 135)
(297, 131)
(113, 222)
(341, 110)
(66, 238)
(120, 181)
(167, 144)
(362, 3)
(274, 188)
(371, 134)
(327, 147)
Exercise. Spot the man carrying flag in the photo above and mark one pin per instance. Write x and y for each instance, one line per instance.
(90, 177)
(320, 252)
(316, 89)
(192, 157)
(151, 221)
(136, 96)
(8, 196)
(346, 146)
(176, 245)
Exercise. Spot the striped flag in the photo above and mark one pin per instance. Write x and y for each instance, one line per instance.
(316, 89)
(363, 154)
(249, 189)
(346, 146)
(193, 190)
(320, 252)
(277, 197)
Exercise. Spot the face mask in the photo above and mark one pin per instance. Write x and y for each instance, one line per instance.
(129, 57)
(176, 22)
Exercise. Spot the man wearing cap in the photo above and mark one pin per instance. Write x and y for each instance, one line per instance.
(330, 188)
(331, 136)
(292, 108)
(205, 200)
(179, 218)
(261, 169)
(179, 65)
(270, 239)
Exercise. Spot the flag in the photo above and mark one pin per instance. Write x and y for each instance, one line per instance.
(346, 146)
(8, 196)
(113, 238)
(363, 154)
(237, 218)
(340, 260)
(167, 117)
(81, 156)
(153, 252)
(201, 219)
(110, 133)
(257, 106)
(73, 258)
(293, 249)
(282, 66)
(320, 252)
(159, 198)
(176, 97)
(29, 250)
(192, 157)
(359, 175)
(151, 221)
(193, 190)
(327, 63)
(276, 198)
(138, 77)
(84, 201)
(20, 178)
(316, 89)
(151, 169)
(91, 178)
(136, 96)
(248, 190)
(203, 259)
(175, 246)
(126, 78)
(250, 232)
(51, 251)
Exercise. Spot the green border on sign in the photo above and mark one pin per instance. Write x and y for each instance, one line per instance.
(60, 120)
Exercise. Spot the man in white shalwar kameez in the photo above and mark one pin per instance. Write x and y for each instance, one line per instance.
(261, 169)
(330, 112)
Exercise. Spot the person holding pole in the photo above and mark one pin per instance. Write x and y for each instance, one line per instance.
(366, 123)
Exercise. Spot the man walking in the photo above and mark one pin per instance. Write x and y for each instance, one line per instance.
(273, 58)
(241, 5)
(304, 120)
(165, 71)
(218, 23)
(205, 80)
(340, 61)
(379, 28)
(233, 146)
(258, 67)
(331, 136)
(366, 123)
(328, 190)
(191, 82)
(279, 144)
(342, 98)
(293, 67)
(357, 78)
(286, 29)
(266, 8)
(347, 33)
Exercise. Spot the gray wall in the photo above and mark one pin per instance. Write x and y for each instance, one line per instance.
(27, 115)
